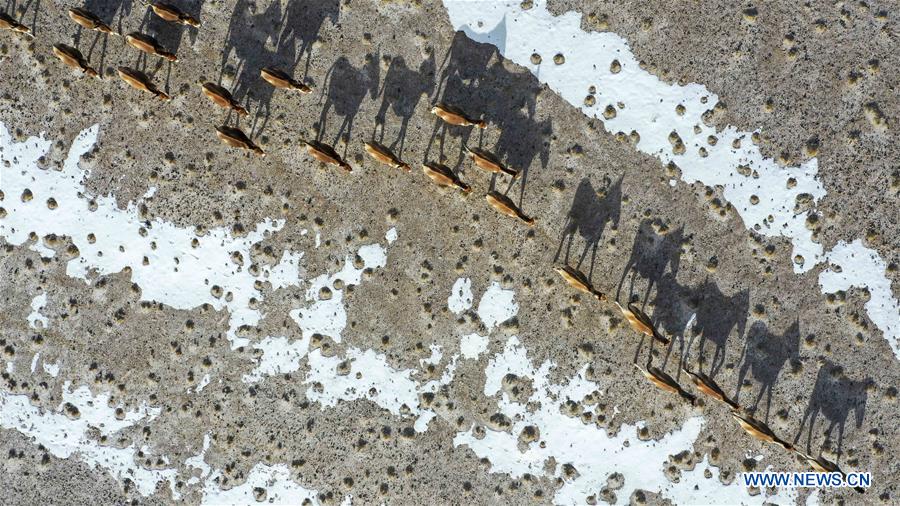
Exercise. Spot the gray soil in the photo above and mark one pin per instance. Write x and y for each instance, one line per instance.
(817, 79)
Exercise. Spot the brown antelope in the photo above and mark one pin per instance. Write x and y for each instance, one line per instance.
(665, 382)
(222, 97)
(383, 155)
(822, 465)
(236, 138)
(173, 14)
(443, 176)
(73, 58)
(504, 205)
(640, 322)
(326, 154)
(281, 79)
(454, 116)
(8, 23)
(141, 81)
(709, 387)
(577, 280)
(489, 162)
(149, 45)
(89, 20)
(759, 430)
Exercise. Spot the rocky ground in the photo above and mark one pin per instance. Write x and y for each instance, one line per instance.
(816, 81)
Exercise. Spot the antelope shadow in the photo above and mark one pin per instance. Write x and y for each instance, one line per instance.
(270, 39)
(474, 77)
(459, 83)
(588, 217)
(716, 317)
(113, 12)
(400, 93)
(652, 255)
(703, 312)
(303, 20)
(834, 396)
(347, 87)
(31, 7)
(763, 357)
(522, 139)
(170, 34)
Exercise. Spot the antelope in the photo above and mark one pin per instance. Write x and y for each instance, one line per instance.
(504, 205)
(281, 79)
(149, 45)
(454, 116)
(8, 23)
(709, 387)
(443, 176)
(89, 20)
(640, 322)
(665, 382)
(577, 280)
(236, 138)
(222, 97)
(383, 155)
(759, 430)
(73, 58)
(489, 162)
(326, 154)
(173, 14)
(141, 81)
(822, 465)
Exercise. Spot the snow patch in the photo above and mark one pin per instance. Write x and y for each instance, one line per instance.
(275, 479)
(172, 264)
(51, 369)
(651, 108)
(203, 382)
(460, 296)
(64, 437)
(496, 306)
(593, 452)
(35, 318)
(854, 264)
(473, 345)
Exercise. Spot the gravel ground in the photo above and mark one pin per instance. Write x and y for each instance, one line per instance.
(819, 80)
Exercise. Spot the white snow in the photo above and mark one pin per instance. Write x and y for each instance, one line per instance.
(287, 272)
(51, 369)
(435, 357)
(37, 303)
(460, 296)
(276, 479)
(328, 317)
(863, 267)
(64, 437)
(203, 382)
(649, 108)
(177, 272)
(280, 356)
(496, 306)
(473, 345)
(591, 450)
(391, 235)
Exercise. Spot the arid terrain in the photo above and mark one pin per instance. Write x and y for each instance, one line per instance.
(185, 321)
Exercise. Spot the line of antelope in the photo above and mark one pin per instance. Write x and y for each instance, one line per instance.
(235, 137)
(438, 173)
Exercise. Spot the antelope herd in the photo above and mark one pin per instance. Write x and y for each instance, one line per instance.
(438, 173)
